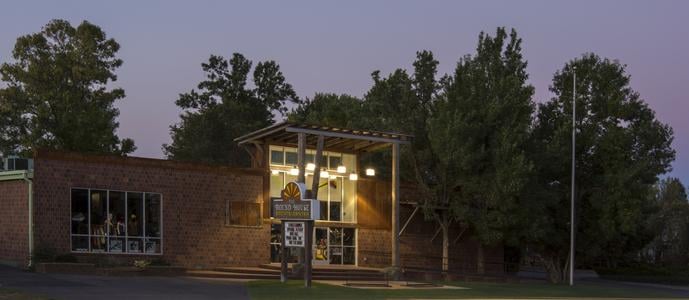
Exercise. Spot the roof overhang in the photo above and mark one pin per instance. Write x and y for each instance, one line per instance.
(15, 175)
(335, 138)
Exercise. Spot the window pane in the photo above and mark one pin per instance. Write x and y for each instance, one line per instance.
(80, 243)
(291, 158)
(276, 184)
(323, 189)
(349, 256)
(80, 207)
(135, 245)
(116, 245)
(324, 210)
(335, 211)
(349, 201)
(348, 237)
(98, 219)
(336, 189)
(277, 157)
(335, 236)
(135, 206)
(152, 246)
(152, 215)
(335, 161)
(116, 214)
(335, 255)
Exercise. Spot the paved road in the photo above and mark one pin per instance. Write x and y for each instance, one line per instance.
(62, 286)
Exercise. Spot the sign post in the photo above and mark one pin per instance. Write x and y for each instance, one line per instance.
(297, 216)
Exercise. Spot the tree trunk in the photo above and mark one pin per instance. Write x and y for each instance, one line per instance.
(556, 271)
(446, 247)
(480, 260)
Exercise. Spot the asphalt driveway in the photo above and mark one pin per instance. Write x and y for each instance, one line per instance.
(63, 286)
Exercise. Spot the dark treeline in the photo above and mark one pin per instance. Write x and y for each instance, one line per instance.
(483, 148)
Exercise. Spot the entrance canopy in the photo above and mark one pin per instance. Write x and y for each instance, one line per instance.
(326, 138)
(335, 139)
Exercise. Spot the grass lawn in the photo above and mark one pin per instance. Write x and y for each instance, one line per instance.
(294, 289)
(9, 294)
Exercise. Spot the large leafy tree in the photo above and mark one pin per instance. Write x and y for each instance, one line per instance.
(224, 108)
(669, 225)
(621, 149)
(478, 138)
(329, 110)
(57, 92)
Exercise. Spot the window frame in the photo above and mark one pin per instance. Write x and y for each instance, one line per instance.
(143, 236)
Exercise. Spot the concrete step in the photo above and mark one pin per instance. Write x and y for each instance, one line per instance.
(246, 273)
(328, 269)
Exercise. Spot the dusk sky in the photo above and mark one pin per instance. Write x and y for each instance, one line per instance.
(329, 46)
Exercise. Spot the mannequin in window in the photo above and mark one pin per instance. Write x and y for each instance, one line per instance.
(133, 226)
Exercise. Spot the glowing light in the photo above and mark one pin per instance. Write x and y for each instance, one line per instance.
(341, 169)
(294, 171)
(370, 172)
(325, 174)
(333, 176)
(275, 172)
(310, 166)
(354, 176)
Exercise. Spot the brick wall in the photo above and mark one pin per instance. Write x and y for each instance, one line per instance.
(194, 203)
(14, 220)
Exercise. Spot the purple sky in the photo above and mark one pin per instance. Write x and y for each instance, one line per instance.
(328, 46)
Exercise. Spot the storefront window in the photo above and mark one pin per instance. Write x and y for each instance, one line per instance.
(116, 222)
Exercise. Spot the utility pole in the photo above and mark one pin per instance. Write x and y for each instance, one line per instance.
(574, 130)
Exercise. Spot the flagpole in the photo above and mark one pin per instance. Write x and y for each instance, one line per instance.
(571, 226)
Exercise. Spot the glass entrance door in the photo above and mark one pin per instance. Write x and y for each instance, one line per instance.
(320, 246)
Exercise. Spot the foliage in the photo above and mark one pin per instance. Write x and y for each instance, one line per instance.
(328, 110)
(57, 92)
(224, 108)
(621, 149)
(478, 138)
(669, 225)
(142, 263)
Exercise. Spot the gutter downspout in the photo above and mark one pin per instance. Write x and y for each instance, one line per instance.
(28, 179)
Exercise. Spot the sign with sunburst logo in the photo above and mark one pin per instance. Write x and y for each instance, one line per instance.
(292, 192)
(293, 206)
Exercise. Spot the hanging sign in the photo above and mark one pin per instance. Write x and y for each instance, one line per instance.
(294, 234)
(293, 206)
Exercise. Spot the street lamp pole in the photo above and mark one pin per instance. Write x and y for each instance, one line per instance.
(571, 223)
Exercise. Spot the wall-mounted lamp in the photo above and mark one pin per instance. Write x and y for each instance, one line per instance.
(353, 176)
(325, 174)
(275, 172)
(310, 166)
(370, 172)
(341, 169)
(294, 171)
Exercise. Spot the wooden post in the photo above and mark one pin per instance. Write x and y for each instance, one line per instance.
(317, 170)
(308, 252)
(283, 255)
(396, 208)
(301, 157)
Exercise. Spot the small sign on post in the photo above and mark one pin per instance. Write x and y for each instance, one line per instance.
(295, 234)
(297, 215)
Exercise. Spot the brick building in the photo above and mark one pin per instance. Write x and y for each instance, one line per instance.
(99, 207)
